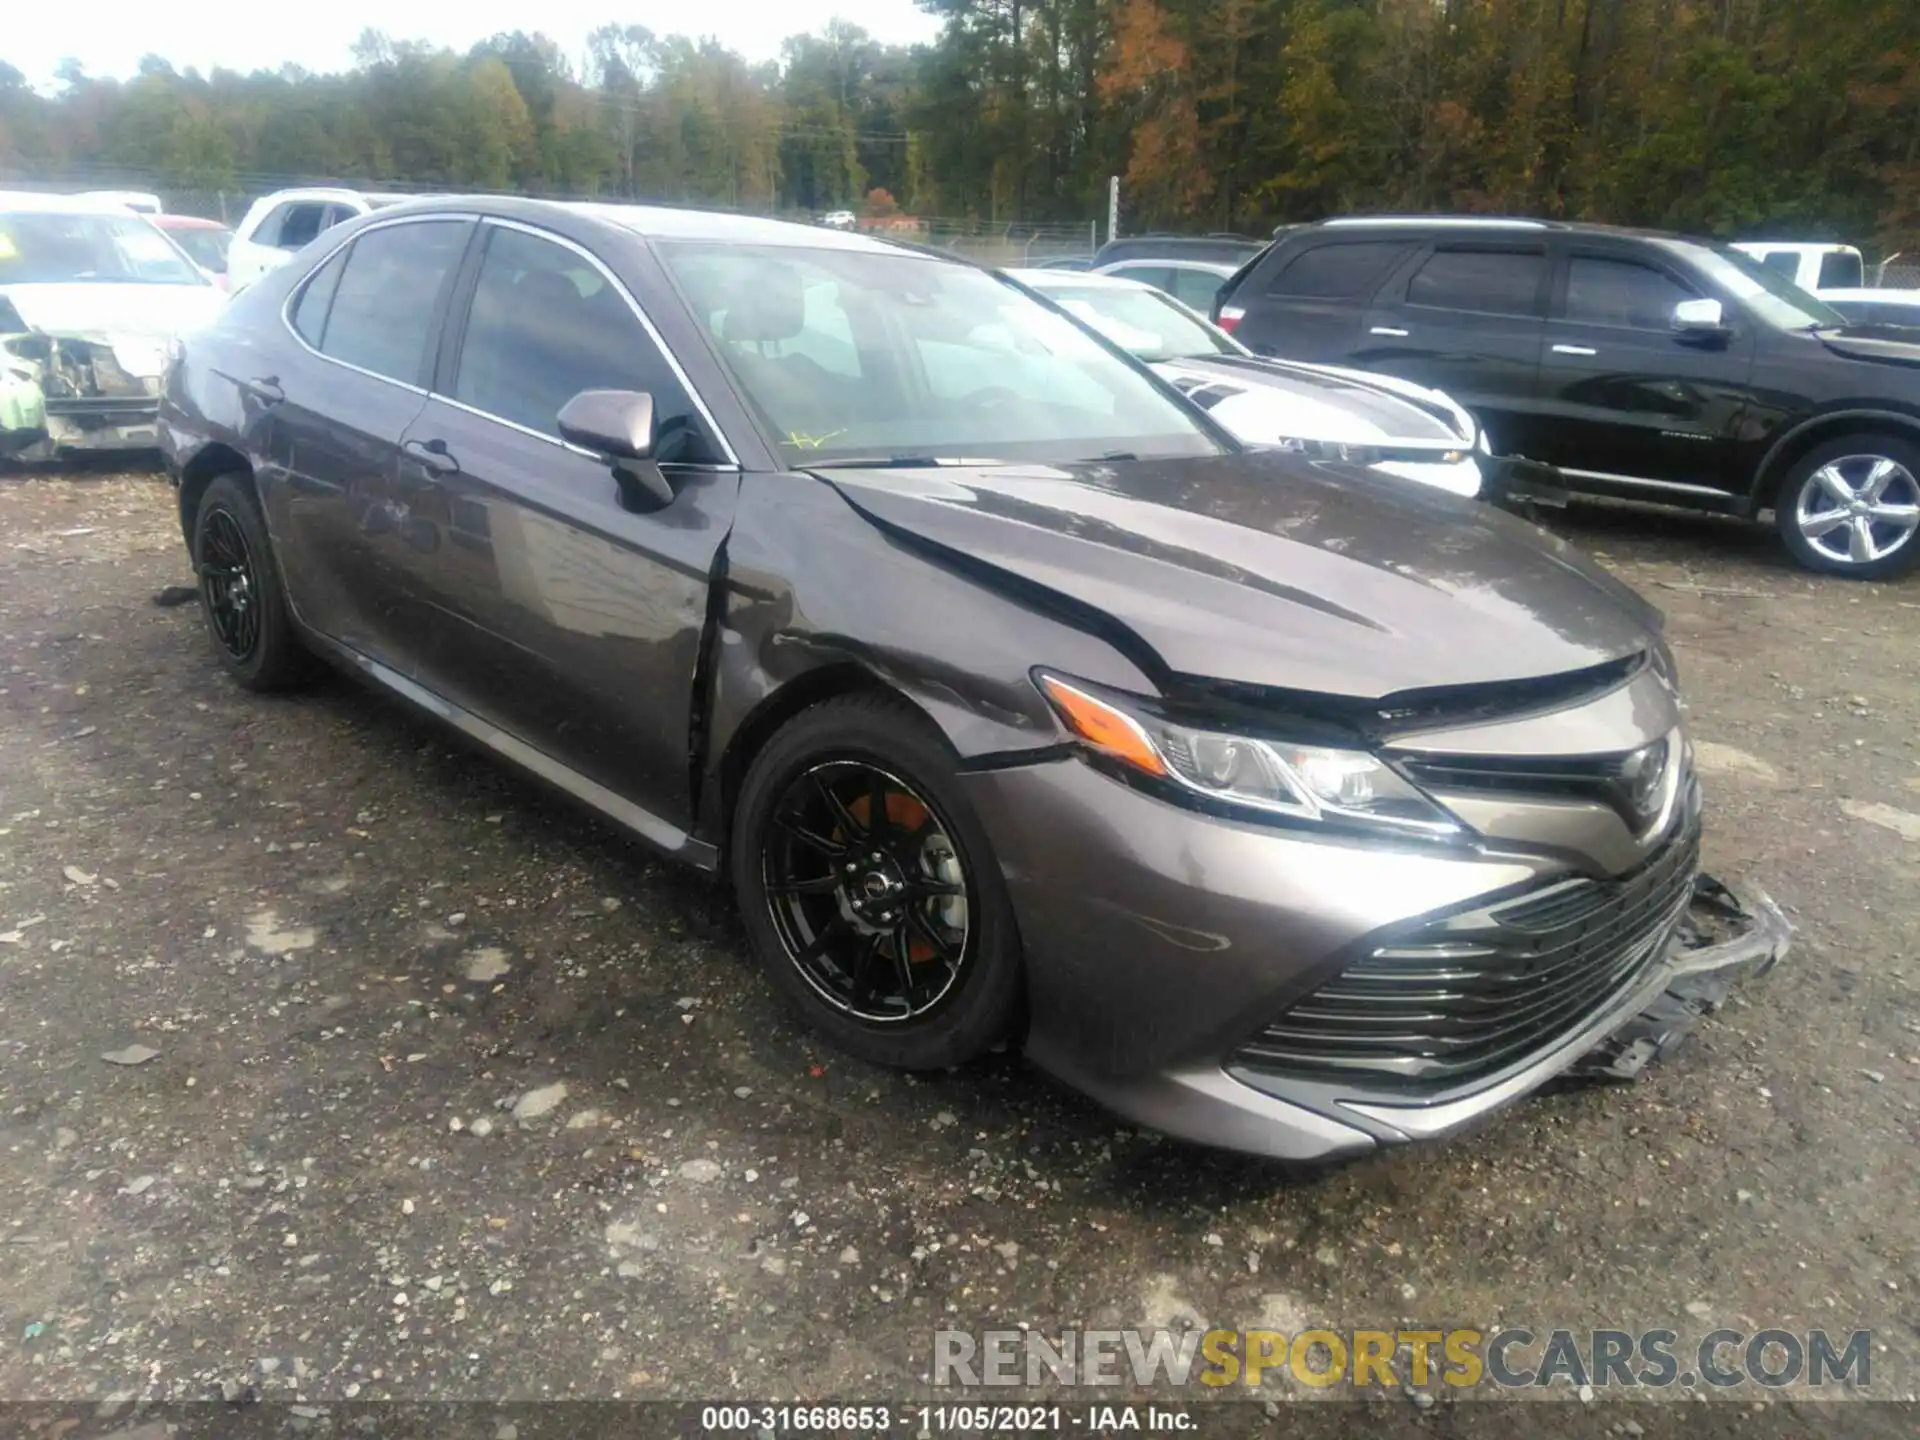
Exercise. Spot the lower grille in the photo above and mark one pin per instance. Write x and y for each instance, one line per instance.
(1466, 996)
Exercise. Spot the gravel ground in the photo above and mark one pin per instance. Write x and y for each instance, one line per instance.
(338, 1061)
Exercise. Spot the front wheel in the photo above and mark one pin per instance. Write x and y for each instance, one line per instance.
(869, 889)
(1852, 507)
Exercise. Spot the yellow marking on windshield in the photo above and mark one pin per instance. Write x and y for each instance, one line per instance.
(811, 442)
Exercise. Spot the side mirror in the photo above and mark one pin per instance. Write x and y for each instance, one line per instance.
(1700, 320)
(618, 426)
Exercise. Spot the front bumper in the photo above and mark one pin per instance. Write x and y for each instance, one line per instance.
(1158, 940)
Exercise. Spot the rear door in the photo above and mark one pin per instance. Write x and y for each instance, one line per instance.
(562, 615)
(367, 323)
(1303, 301)
(1626, 397)
(1466, 316)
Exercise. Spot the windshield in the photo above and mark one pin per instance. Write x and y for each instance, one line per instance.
(859, 354)
(55, 248)
(1772, 296)
(1145, 323)
(207, 248)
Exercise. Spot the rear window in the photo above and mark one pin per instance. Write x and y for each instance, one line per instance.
(1488, 282)
(1349, 271)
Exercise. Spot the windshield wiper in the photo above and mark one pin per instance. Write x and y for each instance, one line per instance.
(1111, 455)
(898, 462)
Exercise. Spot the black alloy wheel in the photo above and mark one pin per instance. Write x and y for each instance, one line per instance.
(253, 631)
(229, 586)
(870, 890)
(866, 891)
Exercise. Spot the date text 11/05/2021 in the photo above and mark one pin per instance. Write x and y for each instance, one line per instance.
(959, 1419)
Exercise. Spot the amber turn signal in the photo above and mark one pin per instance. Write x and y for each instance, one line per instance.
(1109, 730)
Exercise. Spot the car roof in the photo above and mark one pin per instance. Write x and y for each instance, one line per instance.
(35, 202)
(1495, 223)
(1798, 247)
(185, 222)
(1078, 279)
(1171, 262)
(332, 192)
(662, 222)
(1888, 297)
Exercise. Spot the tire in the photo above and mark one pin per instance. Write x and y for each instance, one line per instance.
(1867, 538)
(255, 639)
(835, 748)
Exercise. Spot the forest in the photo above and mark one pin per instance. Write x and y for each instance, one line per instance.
(1798, 117)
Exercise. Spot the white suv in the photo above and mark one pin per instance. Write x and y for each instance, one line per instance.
(280, 224)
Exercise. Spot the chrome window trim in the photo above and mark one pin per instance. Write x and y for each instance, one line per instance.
(646, 323)
(293, 295)
(719, 467)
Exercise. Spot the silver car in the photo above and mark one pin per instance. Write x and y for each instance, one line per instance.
(1392, 427)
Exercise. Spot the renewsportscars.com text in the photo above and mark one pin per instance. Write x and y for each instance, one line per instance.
(1514, 1358)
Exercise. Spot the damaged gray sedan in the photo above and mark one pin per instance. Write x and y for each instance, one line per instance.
(91, 295)
(1274, 804)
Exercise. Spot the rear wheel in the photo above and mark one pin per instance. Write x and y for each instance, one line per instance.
(869, 889)
(240, 590)
(1852, 507)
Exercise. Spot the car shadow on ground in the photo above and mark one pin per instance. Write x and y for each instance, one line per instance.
(1681, 536)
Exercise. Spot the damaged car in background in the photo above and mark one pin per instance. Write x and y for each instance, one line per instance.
(91, 296)
(1275, 803)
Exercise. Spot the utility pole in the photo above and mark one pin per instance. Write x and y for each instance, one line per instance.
(1113, 207)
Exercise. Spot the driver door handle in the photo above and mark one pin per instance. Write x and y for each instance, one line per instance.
(1575, 350)
(432, 454)
(266, 389)
(1393, 330)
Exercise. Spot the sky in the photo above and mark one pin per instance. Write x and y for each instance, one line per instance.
(108, 37)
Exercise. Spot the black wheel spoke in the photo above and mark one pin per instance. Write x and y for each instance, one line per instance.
(797, 828)
(863, 972)
(933, 937)
(819, 885)
(931, 890)
(903, 966)
(879, 823)
(824, 937)
(842, 816)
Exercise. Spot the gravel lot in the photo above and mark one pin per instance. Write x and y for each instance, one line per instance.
(453, 1093)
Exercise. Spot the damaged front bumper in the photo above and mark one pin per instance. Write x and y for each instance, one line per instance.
(66, 395)
(1728, 934)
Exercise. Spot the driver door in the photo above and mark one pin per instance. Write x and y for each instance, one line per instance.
(563, 617)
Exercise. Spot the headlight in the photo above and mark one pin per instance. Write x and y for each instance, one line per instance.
(1276, 777)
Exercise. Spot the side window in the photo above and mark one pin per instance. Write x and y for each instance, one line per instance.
(301, 222)
(310, 310)
(267, 232)
(545, 325)
(1196, 288)
(1840, 271)
(1488, 282)
(1339, 271)
(1621, 293)
(384, 302)
(1785, 261)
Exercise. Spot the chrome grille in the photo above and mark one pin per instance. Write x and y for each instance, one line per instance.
(1465, 996)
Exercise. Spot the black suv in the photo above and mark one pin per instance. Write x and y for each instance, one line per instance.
(1643, 365)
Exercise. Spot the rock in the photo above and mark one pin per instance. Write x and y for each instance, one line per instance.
(1214, 1240)
(137, 1186)
(1326, 1255)
(742, 1092)
(1585, 1392)
(627, 1270)
(1713, 759)
(1270, 1409)
(500, 1287)
(132, 1055)
(1008, 1250)
(774, 1265)
(480, 1128)
(801, 1219)
(1699, 1309)
(584, 1120)
(1407, 1292)
(65, 1139)
(79, 876)
(506, 1430)
(406, 1207)
(544, 1101)
(849, 1256)
(1903, 823)
(1876, 1076)
(1631, 1429)
(700, 1172)
(627, 1235)
(458, 917)
(456, 1124)
(433, 1283)
(485, 965)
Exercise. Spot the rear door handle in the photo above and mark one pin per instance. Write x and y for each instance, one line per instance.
(266, 389)
(432, 454)
(1575, 350)
(1392, 330)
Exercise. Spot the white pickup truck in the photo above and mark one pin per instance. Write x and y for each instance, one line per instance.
(1814, 267)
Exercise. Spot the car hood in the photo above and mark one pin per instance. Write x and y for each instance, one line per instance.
(1272, 570)
(1892, 344)
(1308, 403)
(100, 310)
